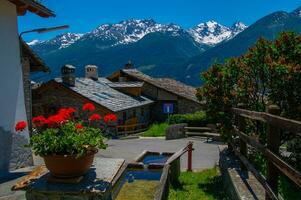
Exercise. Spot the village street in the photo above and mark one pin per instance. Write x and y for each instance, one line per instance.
(204, 156)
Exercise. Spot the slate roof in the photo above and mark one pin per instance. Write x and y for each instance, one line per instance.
(36, 63)
(100, 92)
(126, 84)
(167, 84)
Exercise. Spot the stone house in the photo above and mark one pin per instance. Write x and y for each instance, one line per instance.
(124, 100)
(12, 153)
(162, 91)
(31, 64)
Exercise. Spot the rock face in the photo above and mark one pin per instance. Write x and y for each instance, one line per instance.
(175, 131)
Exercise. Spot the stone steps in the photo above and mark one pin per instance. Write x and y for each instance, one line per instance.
(200, 129)
(204, 134)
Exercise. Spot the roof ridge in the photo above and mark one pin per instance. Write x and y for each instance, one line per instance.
(181, 89)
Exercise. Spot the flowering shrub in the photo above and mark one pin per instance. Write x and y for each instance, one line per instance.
(61, 134)
(269, 73)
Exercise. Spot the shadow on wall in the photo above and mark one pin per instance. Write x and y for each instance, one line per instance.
(5, 150)
(13, 153)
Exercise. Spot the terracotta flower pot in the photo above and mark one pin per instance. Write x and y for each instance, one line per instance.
(67, 166)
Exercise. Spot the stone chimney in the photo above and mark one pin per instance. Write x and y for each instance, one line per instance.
(91, 72)
(129, 65)
(68, 75)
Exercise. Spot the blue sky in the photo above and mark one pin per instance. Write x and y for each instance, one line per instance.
(83, 16)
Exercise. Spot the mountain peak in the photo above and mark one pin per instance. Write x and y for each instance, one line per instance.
(131, 30)
(297, 12)
(212, 33)
(33, 42)
(238, 26)
(61, 41)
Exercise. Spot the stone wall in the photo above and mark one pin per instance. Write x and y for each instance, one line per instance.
(150, 91)
(14, 154)
(175, 131)
(27, 89)
(187, 106)
(48, 101)
(157, 113)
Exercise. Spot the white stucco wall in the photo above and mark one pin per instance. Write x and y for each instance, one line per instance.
(12, 106)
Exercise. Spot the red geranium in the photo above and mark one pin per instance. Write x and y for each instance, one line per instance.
(110, 118)
(79, 126)
(39, 121)
(20, 126)
(94, 117)
(66, 113)
(55, 120)
(71, 110)
(88, 107)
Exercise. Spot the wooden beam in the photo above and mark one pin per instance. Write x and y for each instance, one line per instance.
(284, 123)
(21, 11)
(178, 154)
(288, 124)
(34, 7)
(285, 168)
(273, 144)
(249, 114)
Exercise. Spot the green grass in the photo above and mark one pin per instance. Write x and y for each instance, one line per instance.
(156, 130)
(205, 185)
(288, 189)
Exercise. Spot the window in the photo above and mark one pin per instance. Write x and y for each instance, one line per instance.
(124, 116)
(142, 111)
(134, 113)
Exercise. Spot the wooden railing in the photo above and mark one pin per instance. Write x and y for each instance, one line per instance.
(131, 128)
(275, 164)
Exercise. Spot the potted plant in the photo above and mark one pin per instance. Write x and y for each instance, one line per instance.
(67, 145)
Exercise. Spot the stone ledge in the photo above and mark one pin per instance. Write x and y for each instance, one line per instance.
(241, 185)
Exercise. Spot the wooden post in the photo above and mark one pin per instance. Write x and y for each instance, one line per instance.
(273, 143)
(189, 164)
(175, 170)
(242, 144)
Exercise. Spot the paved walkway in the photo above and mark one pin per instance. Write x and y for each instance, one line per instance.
(205, 155)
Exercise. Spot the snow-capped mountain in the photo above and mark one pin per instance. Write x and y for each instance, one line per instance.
(238, 27)
(212, 33)
(130, 31)
(61, 41)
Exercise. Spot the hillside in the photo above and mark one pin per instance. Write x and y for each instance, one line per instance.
(268, 27)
